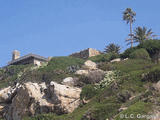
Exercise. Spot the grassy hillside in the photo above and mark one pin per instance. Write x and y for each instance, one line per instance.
(56, 70)
(106, 102)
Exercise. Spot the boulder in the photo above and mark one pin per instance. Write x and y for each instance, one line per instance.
(82, 72)
(6, 94)
(69, 96)
(90, 65)
(68, 81)
(116, 60)
(34, 98)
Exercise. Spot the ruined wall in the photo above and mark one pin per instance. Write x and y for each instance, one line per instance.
(93, 52)
(86, 53)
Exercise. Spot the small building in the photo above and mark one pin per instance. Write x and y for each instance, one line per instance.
(27, 59)
(90, 52)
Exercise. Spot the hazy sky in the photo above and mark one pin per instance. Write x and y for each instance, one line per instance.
(61, 27)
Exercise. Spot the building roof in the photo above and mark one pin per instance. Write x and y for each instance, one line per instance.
(26, 57)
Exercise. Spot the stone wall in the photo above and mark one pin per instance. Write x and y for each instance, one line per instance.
(86, 53)
(93, 52)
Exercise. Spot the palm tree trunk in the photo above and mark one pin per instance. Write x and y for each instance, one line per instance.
(131, 34)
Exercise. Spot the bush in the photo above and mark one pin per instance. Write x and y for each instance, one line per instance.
(88, 92)
(152, 76)
(123, 96)
(153, 48)
(101, 112)
(140, 54)
(92, 77)
(127, 52)
(104, 57)
(105, 66)
(109, 78)
(139, 108)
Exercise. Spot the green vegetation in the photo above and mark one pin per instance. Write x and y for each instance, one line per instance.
(61, 63)
(105, 103)
(132, 77)
(153, 48)
(104, 57)
(10, 74)
(88, 92)
(140, 54)
(56, 70)
(112, 48)
(127, 52)
(142, 34)
(136, 111)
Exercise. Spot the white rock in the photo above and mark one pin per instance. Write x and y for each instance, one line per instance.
(90, 65)
(34, 98)
(82, 72)
(68, 81)
(4, 94)
(116, 60)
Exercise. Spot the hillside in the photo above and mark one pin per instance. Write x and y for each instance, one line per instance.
(130, 93)
(69, 88)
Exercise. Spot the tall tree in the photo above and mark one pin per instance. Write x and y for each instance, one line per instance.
(112, 48)
(142, 34)
(129, 17)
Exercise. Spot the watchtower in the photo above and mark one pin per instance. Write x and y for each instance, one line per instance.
(15, 55)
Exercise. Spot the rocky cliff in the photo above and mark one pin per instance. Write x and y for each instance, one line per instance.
(29, 99)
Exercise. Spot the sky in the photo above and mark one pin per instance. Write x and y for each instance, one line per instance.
(61, 27)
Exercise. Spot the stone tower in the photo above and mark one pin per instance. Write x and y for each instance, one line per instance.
(15, 55)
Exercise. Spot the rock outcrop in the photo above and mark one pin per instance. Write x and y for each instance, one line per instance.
(90, 65)
(32, 98)
(68, 81)
(87, 68)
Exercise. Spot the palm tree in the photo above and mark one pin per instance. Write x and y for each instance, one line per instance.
(112, 48)
(142, 34)
(129, 17)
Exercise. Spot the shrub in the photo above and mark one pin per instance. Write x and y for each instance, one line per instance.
(127, 52)
(153, 48)
(95, 76)
(110, 76)
(123, 96)
(104, 57)
(139, 108)
(105, 66)
(92, 77)
(152, 76)
(101, 112)
(140, 54)
(88, 92)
